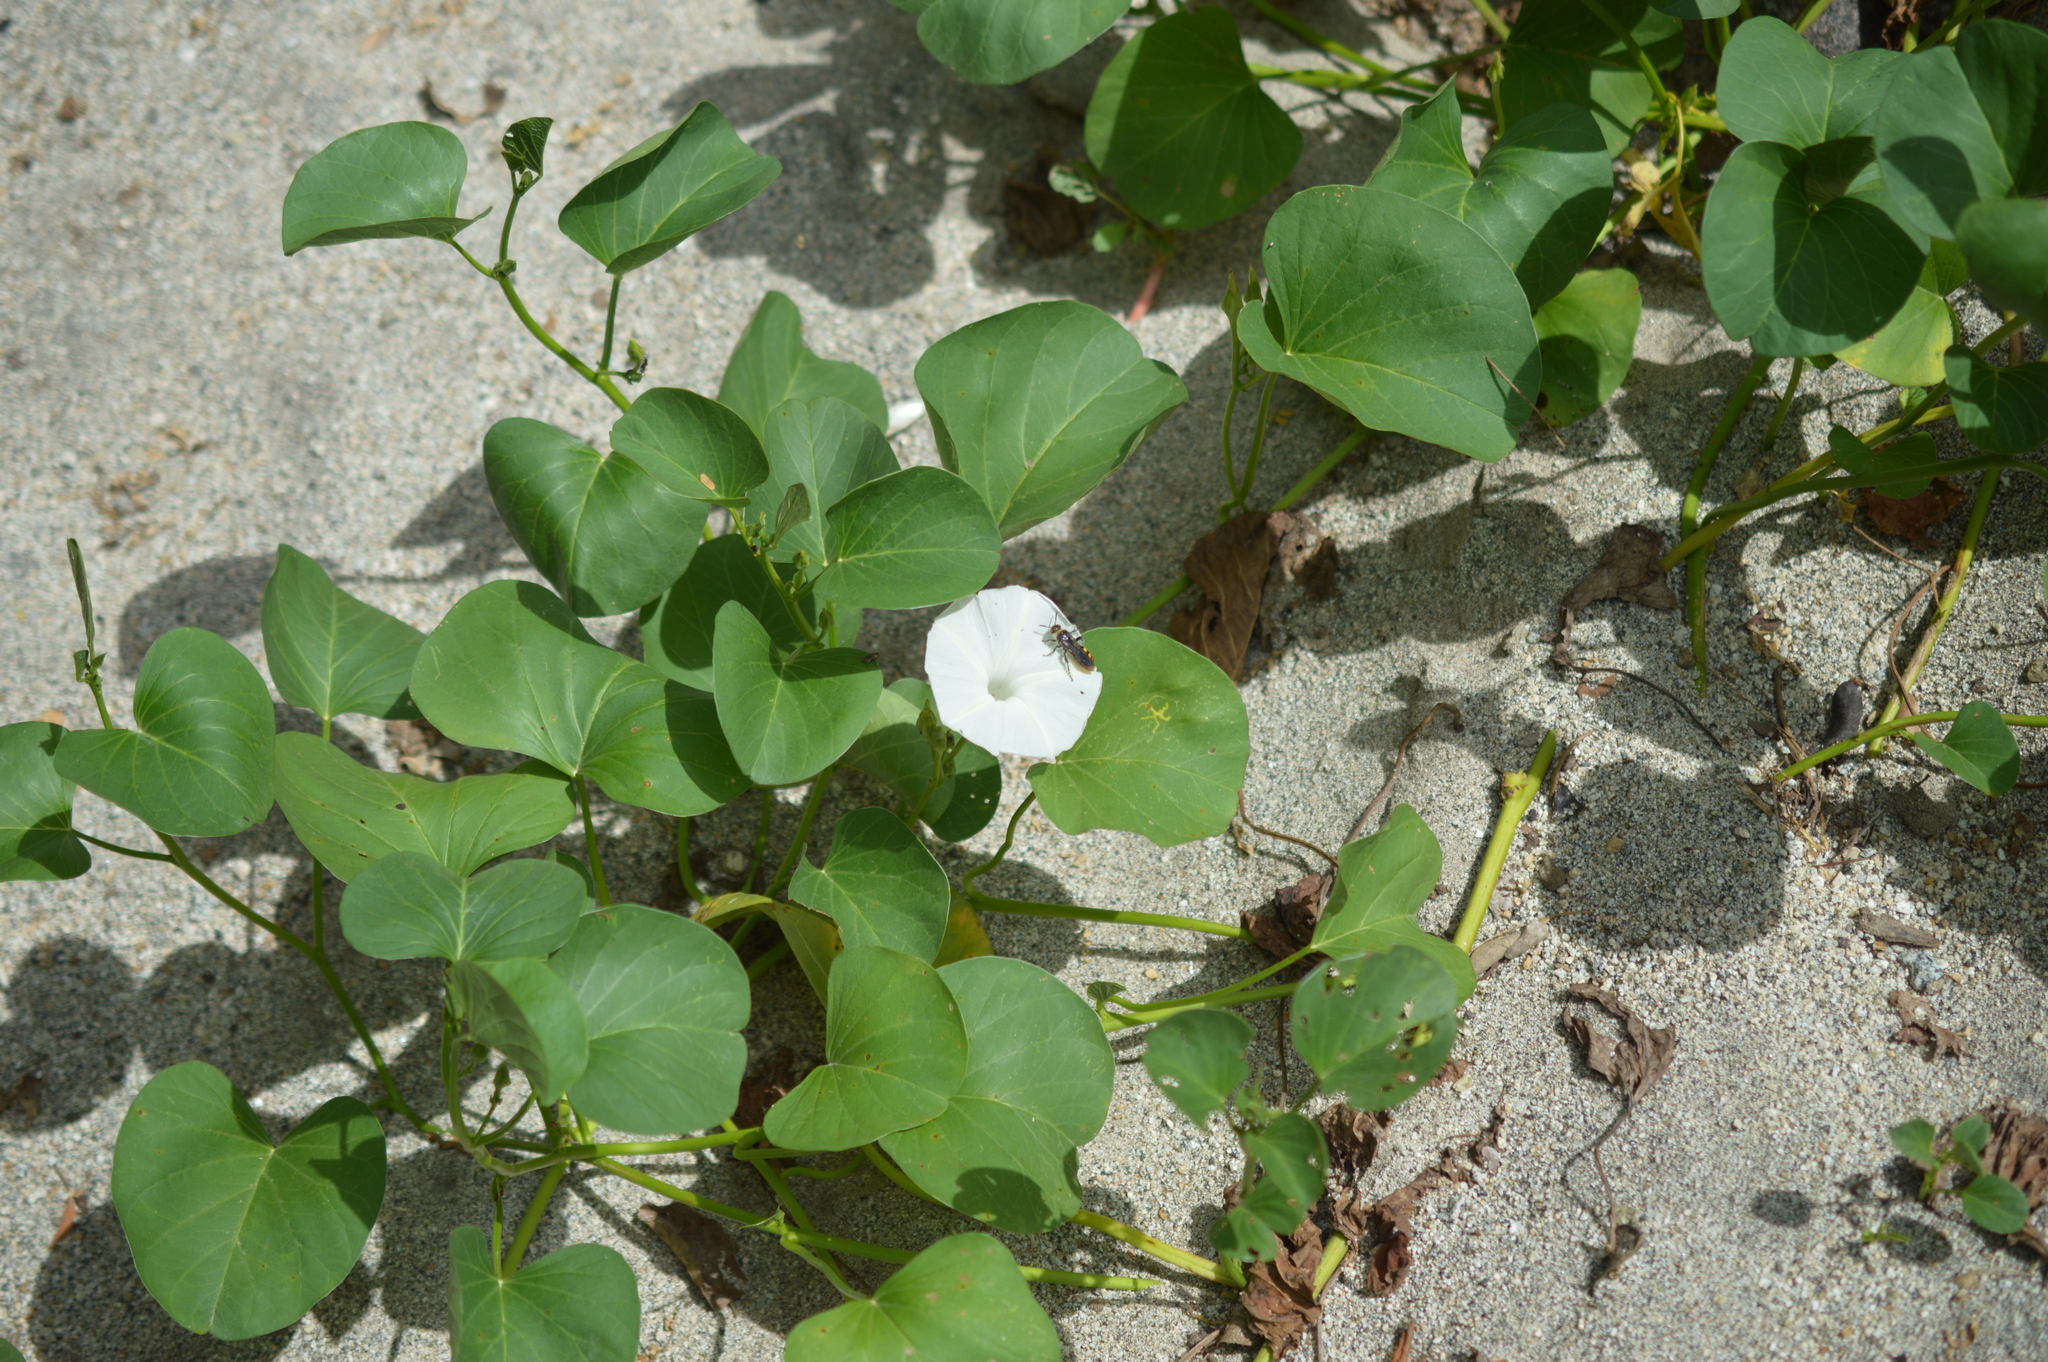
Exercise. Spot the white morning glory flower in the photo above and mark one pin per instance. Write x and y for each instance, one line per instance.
(1000, 682)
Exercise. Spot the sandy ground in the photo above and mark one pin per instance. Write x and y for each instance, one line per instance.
(181, 398)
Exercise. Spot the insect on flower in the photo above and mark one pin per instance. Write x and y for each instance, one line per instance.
(1064, 644)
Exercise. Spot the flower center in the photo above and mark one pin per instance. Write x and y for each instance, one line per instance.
(1001, 688)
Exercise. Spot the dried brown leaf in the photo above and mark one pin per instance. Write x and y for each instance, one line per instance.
(2017, 1151)
(704, 1249)
(1280, 1296)
(71, 110)
(1636, 1061)
(27, 1093)
(1627, 1240)
(1918, 1026)
(1229, 565)
(1353, 1139)
(1045, 220)
(1303, 556)
(1448, 1076)
(765, 1084)
(1291, 925)
(1627, 571)
(1910, 517)
(65, 1221)
(1503, 946)
(1890, 929)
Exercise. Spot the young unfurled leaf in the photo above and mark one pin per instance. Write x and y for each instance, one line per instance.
(407, 906)
(1037, 405)
(879, 884)
(647, 741)
(1165, 748)
(1005, 42)
(1376, 1028)
(522, 1008)
(961, 1300)
(579, 1303)
(1967, 1140)
(919, 536)
(793, 510)
(329, 652)
(896, 1053)
(2001, 411)
(1539, 196)
(1776, 87)
(676, 631)
(397, 180)
(525, 146)
(36, 841)
(350, 815)
(691, 445)
(664, 191)
(1181, 125)
(1382, 882)
(1293, 1161)
(1587, 336)
(236, 1237)
(664, 1001)
(1038, 1084)
(786, 720)
(1853, 456)
(1978, 747)
(197, 762)
(772, 366)
(1915, 1139)
(1197, 1060)
(607, 536)
(1559, 51)
(1400, 314)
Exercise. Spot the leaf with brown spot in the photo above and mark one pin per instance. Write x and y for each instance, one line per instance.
(1910, 517)
(1633, 1063)
(1918, 1026)
(1280, 1295)
(1627, 571)
(1890, 929)
(2017, 1150)
(704, 1249)
(1229, 565)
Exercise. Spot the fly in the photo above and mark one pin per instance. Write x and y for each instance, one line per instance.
(1064, 644)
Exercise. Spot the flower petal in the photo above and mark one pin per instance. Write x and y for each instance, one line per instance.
(998, 683)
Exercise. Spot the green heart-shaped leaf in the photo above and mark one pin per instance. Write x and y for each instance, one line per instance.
(408, 906)
(1382, 881)
(1197, 1060)
(1164, 751)
(1539, 197)
(1398, 313)
(2001, 411)
(525, 145)
(895, 1048)
(607, 536)
(1377, 1028)
(523, 1009)
(510, 667)
(1995, 1204)
(1003, 42)
(36, 840)
(2007, 243)
(197, 762)
(677, 630)
(1038, 1084)
(691, 445)
(664, 1001)
(349, 815)
(813, 938)
(664, 191)
(1037, 405)
(1796, 273)
(578, 1304)
(1560, 52)
(1968, 1137)
(1962, 123)
(1907, 350)
(961, 1300)
(879, 884)
(1294, 1161)
(1179, 123)
(919, 536)
(1587, 335)
(1915, 1139)
(1978, 747)
(1853, 456)
(236, 1237)
(772, 366)
(1776, 87)
(894, 751)
(397, 180)
(829, 449)
(786, 720)
(329, 652)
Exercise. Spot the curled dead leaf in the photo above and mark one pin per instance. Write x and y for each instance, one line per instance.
(2017, 1150)
(1627, 571)
(704, 1249)
(1280, 1296)
(1638, 1059)
(1890, 929)
(1910, 517)
(1510, 945)
(1918, 1026)
(1229, 564)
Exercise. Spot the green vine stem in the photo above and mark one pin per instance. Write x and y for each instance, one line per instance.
(586, 1152)
(1221, 997)
(1628, 40)
(1523, 786)
(1261, 423)
(1492, 18)
(1009, 836)
(1814, 9)
(1160, 1011)
(1689, 508)
(785, 871)
(121, 850)
(503, 275)
(1885, 730)
(1327, 46)
(86, 664)
(596, 858)
(530, 1222)
(1784, 402)
(1945, 606)
(1023, 908)
(767, 960)
(683, 871)
(1223, 1272)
